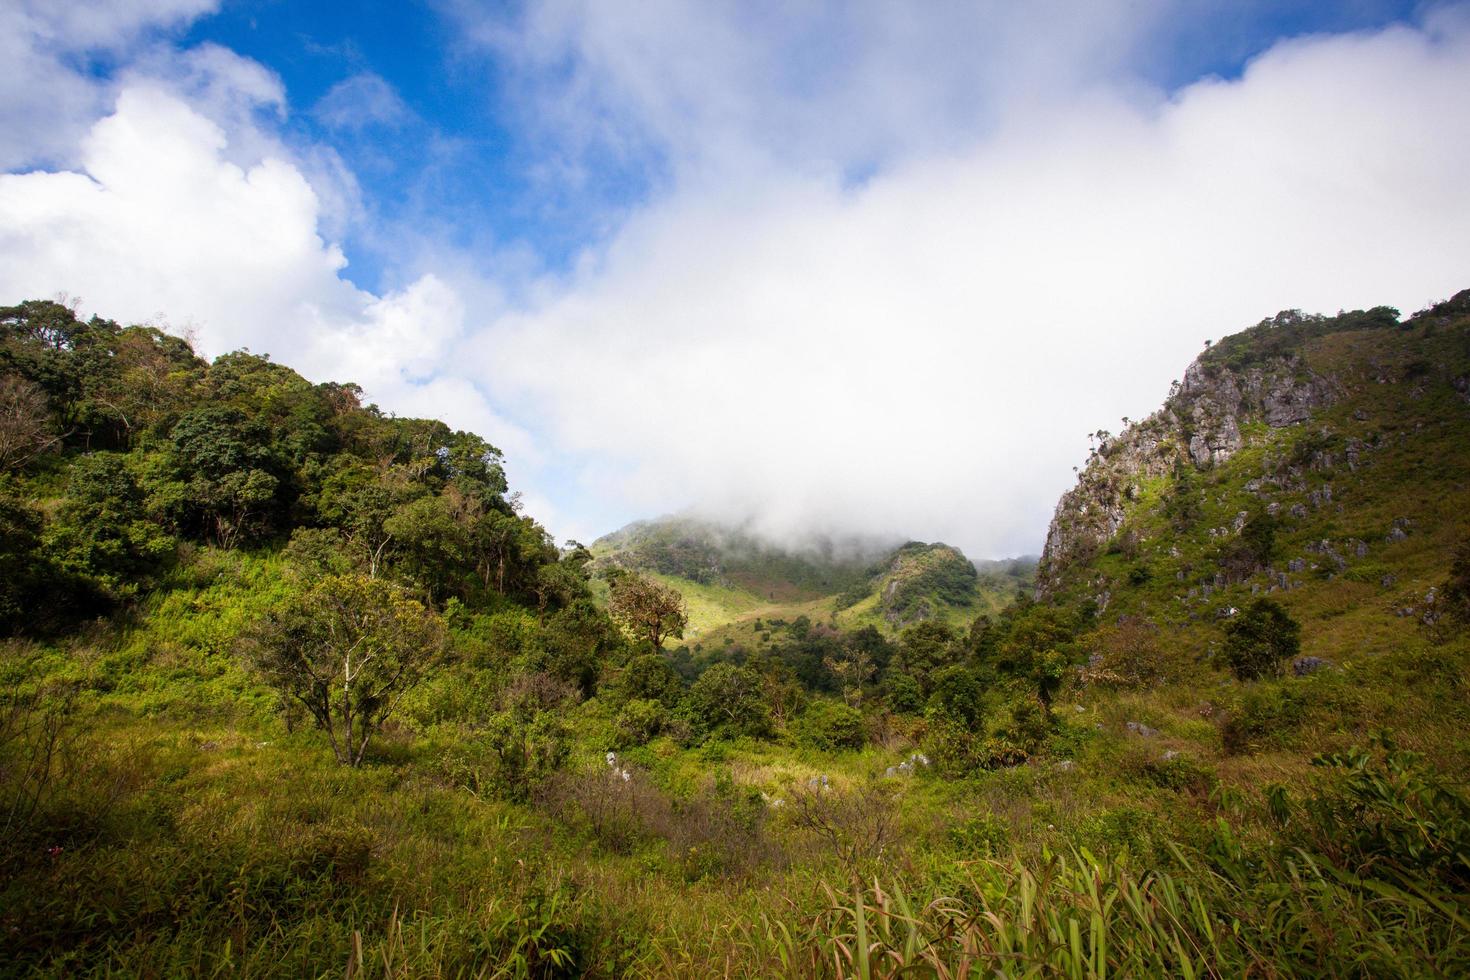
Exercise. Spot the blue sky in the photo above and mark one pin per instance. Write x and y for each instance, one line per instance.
(459, 155)
(868, 267)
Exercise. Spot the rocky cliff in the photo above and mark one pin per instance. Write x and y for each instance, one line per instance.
(1270, 389)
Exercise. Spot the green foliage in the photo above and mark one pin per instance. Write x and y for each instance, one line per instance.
(348, 648)
(1260, 640)
(37, 595)
(1254, 548)
(102, 530)
(924, 649)
(830, 726)
(647, 610)
(1387, 813)
(1262, 717)
(957, 696)
(983, 835)
(527, 745)
(902, 693)
(639, 720)
(729, 701)
(648, 676)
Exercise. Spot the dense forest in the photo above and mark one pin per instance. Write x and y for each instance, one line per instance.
(292, 686)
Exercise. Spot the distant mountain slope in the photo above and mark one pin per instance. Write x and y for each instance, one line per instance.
(1322, 460)
(708, 553)
(729, 575)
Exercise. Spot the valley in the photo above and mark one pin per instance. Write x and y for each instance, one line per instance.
(293, 687)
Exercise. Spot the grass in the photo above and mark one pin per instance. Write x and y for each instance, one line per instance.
(162, 818)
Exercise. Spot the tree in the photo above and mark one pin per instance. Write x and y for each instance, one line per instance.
(1259, 639)
(853, 668)
(102, 530)
(433, 546)
(222, 481)
(925, 648)
(648, 610)
(957, 696)
(25, 428)
(348, 648)
(727, 699)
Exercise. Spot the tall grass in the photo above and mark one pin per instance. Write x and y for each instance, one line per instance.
(1078, 916)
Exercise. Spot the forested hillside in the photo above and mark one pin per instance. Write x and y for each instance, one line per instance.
(292, 687)
(731, 577)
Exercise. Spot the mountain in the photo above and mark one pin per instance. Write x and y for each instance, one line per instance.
(729, 574)
(259, 638)
(1318, 460)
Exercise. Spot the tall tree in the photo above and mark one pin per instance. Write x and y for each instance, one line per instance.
(348, 648)
(648, 610)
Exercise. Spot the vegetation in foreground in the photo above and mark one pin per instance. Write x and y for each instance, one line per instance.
(293, 688)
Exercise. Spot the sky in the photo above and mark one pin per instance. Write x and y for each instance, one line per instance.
(873, 268)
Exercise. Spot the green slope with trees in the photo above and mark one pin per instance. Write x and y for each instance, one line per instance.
(733, 578)
(290, 687)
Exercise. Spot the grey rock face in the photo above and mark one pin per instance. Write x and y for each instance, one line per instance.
(1200, 423)
(1138, 728)
(1399, 531)
(1302, 666)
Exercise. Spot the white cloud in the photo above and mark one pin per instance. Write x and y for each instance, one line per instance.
(1039, 244)
(47, 98)
(366, 99)
(924, 354)
(159, 221)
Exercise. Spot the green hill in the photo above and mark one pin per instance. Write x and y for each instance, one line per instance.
(289, 686)
(1320, 461)
(731, 577)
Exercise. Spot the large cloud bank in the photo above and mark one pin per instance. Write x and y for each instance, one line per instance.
(888, 293)
(925, 351)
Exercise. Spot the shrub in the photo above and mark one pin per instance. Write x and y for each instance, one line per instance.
(528, 747)
(1387, 813)
(727, 700)
(347, 649)
(1127, 655)
(830, 726)
(902, 692)
(649, 677)
(1020, 730)
(957, 696)
(639, 720)
(856, 827)
(982, 836)
(1260, 639)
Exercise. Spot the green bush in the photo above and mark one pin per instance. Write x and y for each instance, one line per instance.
(982, 836)
(1260, 640)
(638, 721)
(729, 700)
(957, 696)
(829, 726)
(902, 693)
(1387, 813)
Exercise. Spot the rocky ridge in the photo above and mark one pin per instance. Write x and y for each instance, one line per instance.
(1244, 391)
